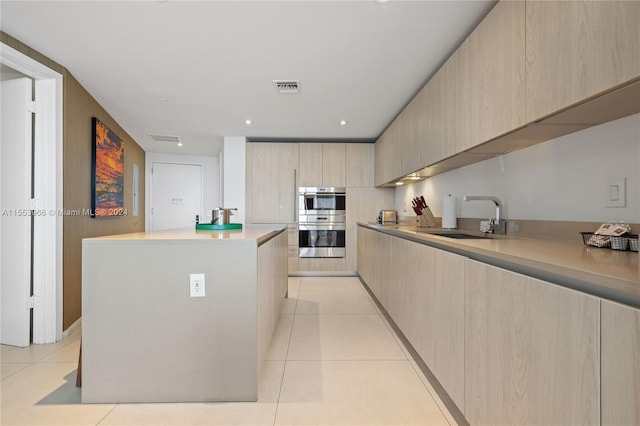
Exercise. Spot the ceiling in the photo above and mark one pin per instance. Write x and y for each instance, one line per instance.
(199, 69)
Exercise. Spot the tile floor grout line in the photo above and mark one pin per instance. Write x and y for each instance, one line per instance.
(436, 398)
(286, 355)
(106, 414)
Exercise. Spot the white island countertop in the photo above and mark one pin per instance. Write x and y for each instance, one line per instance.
(258, 233)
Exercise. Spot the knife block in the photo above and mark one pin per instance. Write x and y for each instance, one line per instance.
(426, 220)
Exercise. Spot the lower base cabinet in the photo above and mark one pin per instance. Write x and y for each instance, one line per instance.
(620, 373)
(507, 348)
(532, 351)
(426, 300)
(422, 289)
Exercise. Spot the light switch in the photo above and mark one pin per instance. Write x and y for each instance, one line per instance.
(196, 285)
(616, 193)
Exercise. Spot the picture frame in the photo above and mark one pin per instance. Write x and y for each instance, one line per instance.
(107, 177)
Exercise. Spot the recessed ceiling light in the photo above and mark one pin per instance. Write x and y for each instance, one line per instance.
(247, 122)
(343, 122)
(179, 143)
(399, 183)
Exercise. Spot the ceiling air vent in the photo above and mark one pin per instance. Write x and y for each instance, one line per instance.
(290, 87)
(165, 138)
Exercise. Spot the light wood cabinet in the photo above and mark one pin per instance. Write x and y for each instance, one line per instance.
(273, 191)
(577, 49)
(375, 247)
(359, 165)
(310, 164)
(333, 165)
(497, 72)
(412, 139)
(322, 164)
(364, 204)
(426, 300)
(388, 161)
(620, 375)
(532, 350)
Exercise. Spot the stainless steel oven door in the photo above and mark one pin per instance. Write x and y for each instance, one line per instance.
(321, 240)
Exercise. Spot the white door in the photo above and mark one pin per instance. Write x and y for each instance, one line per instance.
(176, 195)
(15, 226)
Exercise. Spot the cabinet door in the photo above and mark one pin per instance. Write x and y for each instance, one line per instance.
(359, 165)
(426, 300)
(620, 364)
(532, 353)
(387, 158)
(497, 71)
(432, 98)
(273, 184)
(310, 164)
(577, 49)
(379, 264)
(333, 165)
(413, 137)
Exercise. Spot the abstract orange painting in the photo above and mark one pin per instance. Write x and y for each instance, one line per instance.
(108, 172)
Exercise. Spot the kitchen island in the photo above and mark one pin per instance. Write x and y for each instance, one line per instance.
(150, 334)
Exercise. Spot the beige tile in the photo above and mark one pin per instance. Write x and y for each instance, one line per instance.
(355, 393)
(289, 304)
(32, 353)
(396, 338)
(280, 340)
(68, 353)
(432, 392)
(261, 412)
(294, 286)
(331, 284)
(349, 300)
(45, 394)
(340, 337)
(10, 368)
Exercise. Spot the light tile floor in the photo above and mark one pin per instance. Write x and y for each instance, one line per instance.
(333, 360)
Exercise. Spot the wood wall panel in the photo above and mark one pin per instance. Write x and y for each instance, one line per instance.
(78, 108)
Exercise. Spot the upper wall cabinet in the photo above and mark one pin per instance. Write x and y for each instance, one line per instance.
(322, 164)
(577, 49)
(497, 72)
(388, 161)
(359, 160)
(271, 173)
(411, 138)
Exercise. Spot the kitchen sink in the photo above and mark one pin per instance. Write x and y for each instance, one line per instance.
(457, 235)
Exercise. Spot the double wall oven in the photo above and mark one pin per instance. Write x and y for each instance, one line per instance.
(321, 221)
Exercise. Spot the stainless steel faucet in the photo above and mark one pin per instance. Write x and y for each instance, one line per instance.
(497, 225)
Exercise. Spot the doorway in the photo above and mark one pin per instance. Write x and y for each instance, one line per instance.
(30, 201)
(176, 195)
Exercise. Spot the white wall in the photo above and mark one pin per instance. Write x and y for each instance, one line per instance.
(233, 175)
(562, 179)
(211, 180)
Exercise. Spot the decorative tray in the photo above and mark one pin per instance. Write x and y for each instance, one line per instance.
(214, 227)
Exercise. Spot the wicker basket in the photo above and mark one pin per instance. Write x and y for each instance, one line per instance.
(625, 242)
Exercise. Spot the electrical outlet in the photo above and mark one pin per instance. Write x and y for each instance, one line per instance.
(196, 285)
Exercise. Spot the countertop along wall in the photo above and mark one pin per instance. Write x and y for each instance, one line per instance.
(564, 179)
(78, 108)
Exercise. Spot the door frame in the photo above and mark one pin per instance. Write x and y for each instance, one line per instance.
(47, 254)
(149, 186)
